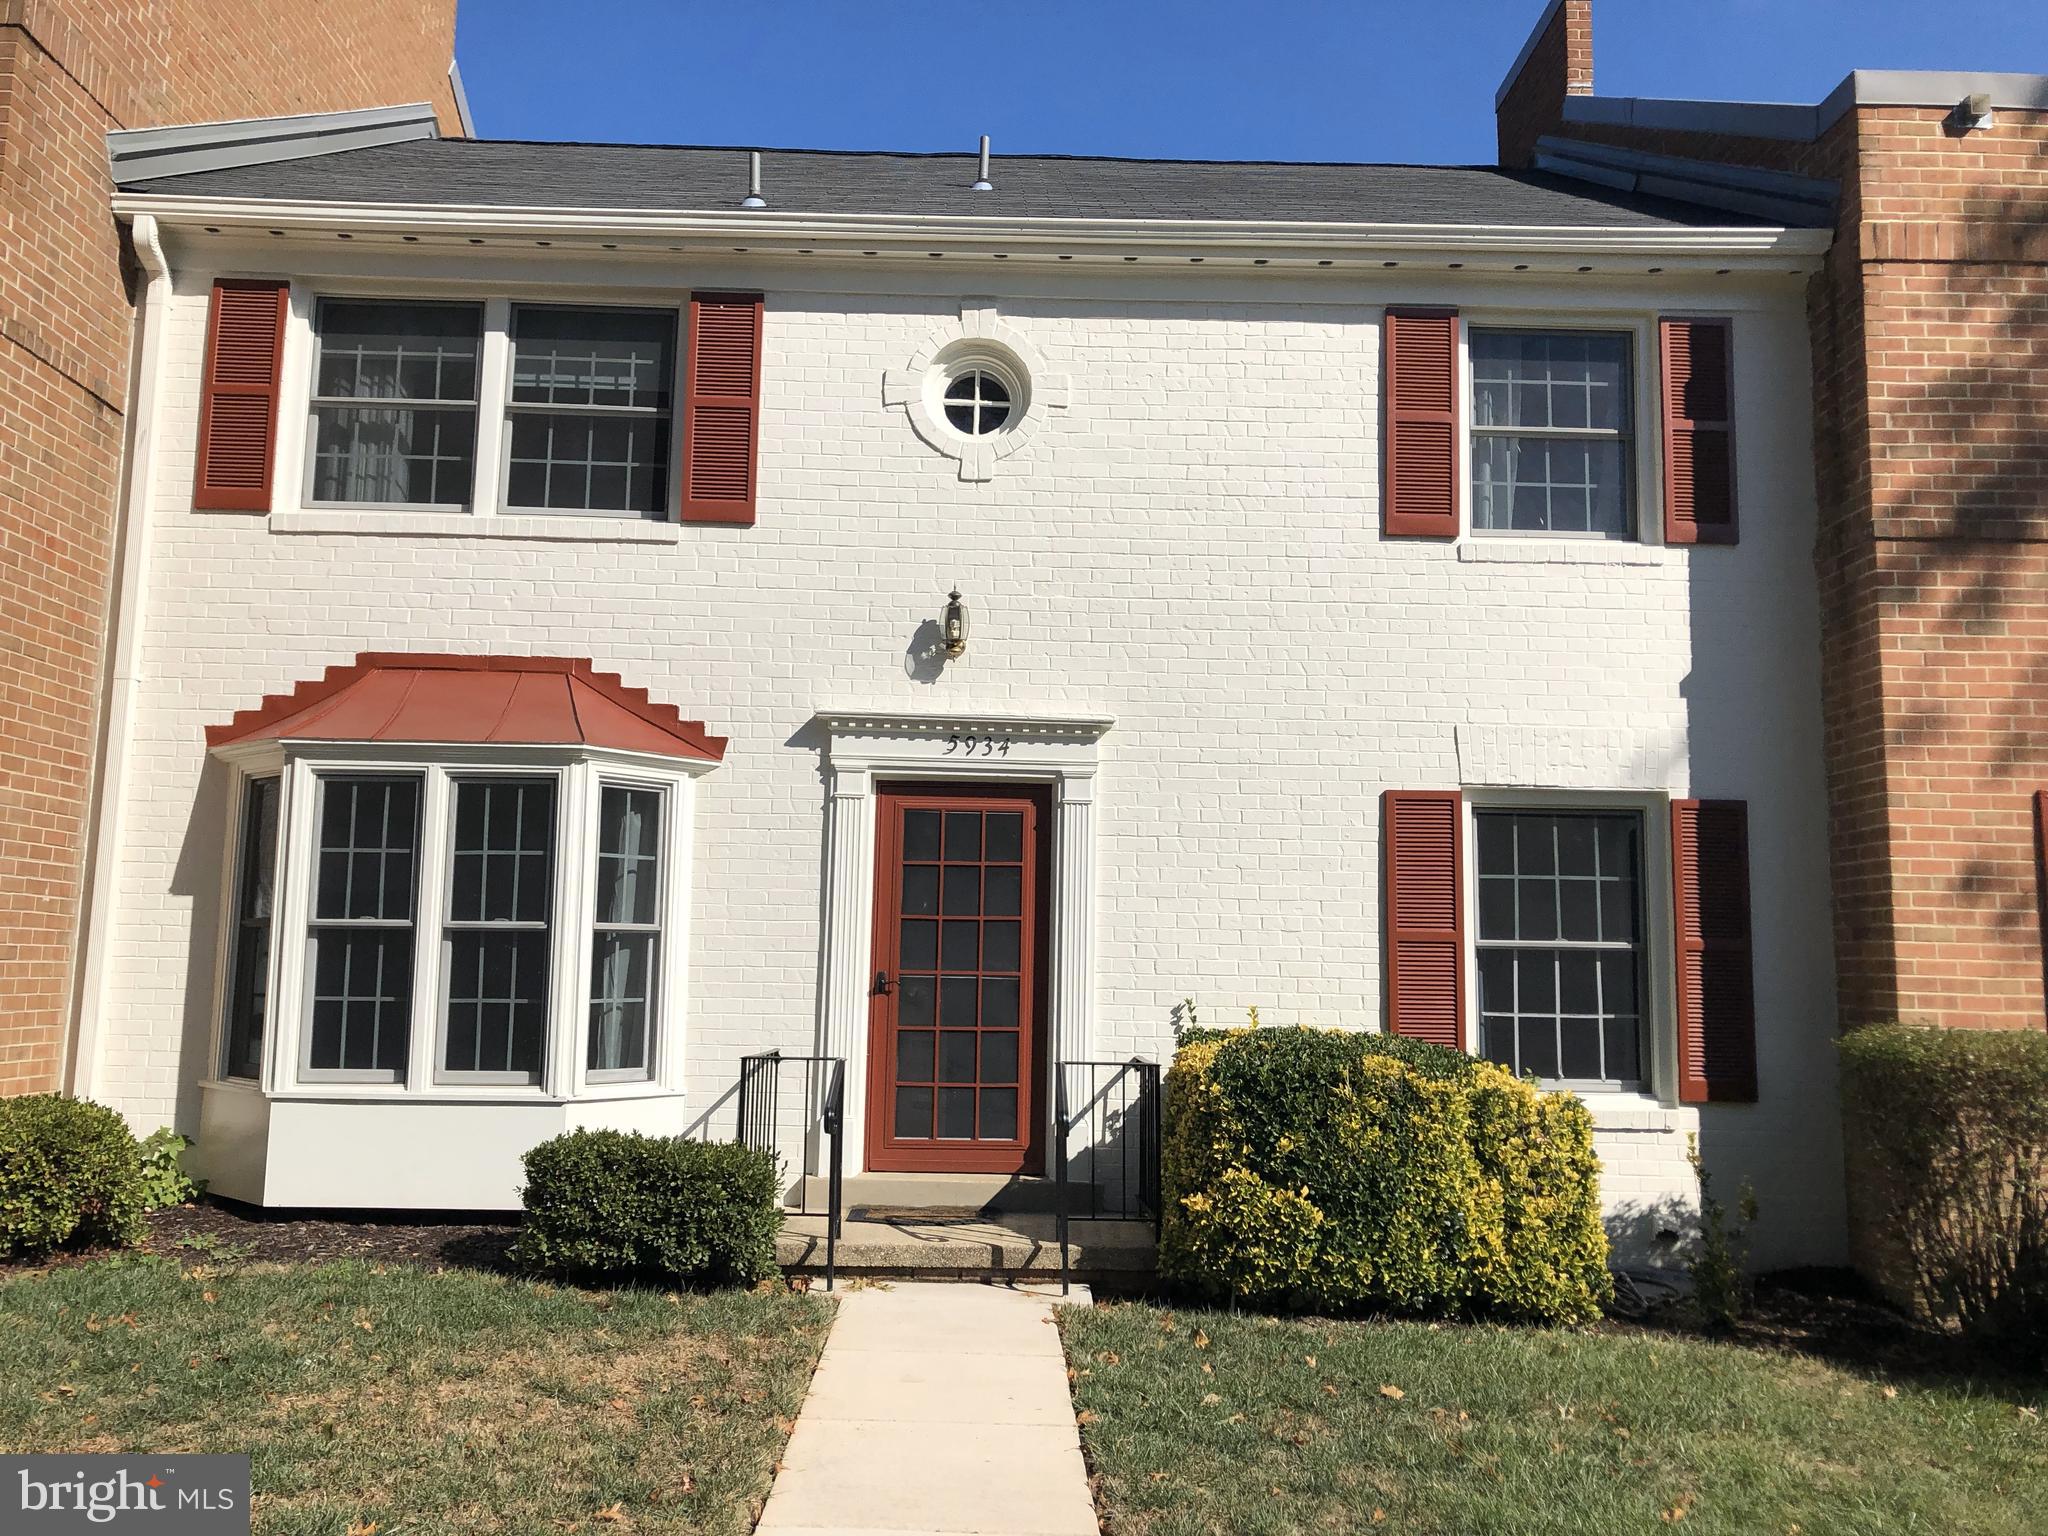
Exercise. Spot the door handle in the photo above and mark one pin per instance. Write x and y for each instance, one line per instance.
(883, 986)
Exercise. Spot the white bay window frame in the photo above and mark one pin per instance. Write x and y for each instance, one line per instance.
(580, 774)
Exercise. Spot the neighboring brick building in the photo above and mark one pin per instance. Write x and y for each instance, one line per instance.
(1930, 343)
(71, 70)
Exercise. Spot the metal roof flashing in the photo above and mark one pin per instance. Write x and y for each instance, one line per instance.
(134, 154)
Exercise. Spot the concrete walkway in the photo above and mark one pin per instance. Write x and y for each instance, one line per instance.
(937, 1410)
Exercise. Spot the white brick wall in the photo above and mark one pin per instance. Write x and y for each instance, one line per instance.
(1191, 547)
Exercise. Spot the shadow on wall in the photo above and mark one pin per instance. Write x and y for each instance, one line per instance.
(1754, 728)
(198, 879)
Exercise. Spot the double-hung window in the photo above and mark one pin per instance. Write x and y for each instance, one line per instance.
(626, 933)
(496, 943)
(1561, 948)
(360, 941)
(1552, 433)
(395, 403)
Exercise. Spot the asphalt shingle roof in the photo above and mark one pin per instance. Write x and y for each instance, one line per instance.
(678, 178)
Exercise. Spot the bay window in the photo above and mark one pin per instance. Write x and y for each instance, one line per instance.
(504, 921)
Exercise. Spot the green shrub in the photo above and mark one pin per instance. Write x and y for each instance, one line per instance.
(164, 1180)
(1947, 1134)
(612, 1205)
(70, 1172)
(1330, 1170)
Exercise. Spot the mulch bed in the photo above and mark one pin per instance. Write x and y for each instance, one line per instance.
(220, 1232)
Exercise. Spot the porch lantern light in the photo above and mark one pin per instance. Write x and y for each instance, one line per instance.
(955, 626)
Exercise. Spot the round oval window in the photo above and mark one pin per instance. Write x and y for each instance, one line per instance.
(977, 402)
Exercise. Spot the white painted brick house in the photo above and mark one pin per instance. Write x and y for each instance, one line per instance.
(1201, 651)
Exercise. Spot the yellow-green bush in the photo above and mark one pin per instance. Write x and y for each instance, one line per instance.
(1328, 1170)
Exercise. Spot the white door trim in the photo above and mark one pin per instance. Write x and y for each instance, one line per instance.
(867, 747)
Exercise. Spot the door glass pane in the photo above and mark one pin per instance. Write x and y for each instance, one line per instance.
(999, 1114)
(956, 1056)
(914, 1055)
(1002, 892)
(963, 835)
(956, 1002)
(960, 945)
(920, 834)
(998, 1057)
(919, 947)
(1005, 836)
(999, 1002)
(920, 890)
(914, 1113)
(1001, 946)
(963, 891)
(914, 1003)
(956, 1114)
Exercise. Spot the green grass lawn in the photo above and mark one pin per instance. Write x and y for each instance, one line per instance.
(1205, 1422)
(412, 1401)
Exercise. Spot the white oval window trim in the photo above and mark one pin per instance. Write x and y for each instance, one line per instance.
(986, 347)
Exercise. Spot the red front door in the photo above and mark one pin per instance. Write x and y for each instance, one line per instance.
(954, 1021)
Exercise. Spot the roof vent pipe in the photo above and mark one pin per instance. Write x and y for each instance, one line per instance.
(984, 184)
(753, 199)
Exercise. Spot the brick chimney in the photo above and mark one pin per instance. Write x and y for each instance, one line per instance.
(1556, 62)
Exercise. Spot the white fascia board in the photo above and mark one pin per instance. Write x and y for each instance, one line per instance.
(851, 233)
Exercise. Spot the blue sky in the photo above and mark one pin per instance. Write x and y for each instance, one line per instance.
(1216, 79)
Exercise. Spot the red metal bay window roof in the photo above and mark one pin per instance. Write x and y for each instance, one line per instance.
(522, 700)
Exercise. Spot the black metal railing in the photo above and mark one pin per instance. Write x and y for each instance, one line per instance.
(1114, 1105)
(770, 1119)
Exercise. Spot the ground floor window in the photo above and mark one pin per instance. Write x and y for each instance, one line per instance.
(482, 924)
(1561, 943)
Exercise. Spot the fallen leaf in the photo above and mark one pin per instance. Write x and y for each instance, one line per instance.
(1888, 1393)
(362, 1528)
(1394, 1392)
(1159, 1477)
(93, 1325)
(1309, 1361)
(209, 1297)
(1378, 1515)
(1329, 1389)
(1085, 1416)
(1201, 1339)
(1208, 1369)
(615, 1513)
(1210, 1399)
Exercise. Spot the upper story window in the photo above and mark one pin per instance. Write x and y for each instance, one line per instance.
(590, 410)
(1552, 433)
(395, 403)
(586, 395)
(1561, 950)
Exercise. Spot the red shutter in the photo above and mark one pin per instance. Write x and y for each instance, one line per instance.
(238, 398)
(1699, 430)
(1716, 990)
(1425, 914)
(1419, 358)
(722, 408)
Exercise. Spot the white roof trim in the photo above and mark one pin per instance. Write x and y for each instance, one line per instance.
(765, 232)
(141, 154)
(461, 100)
(1803, 124)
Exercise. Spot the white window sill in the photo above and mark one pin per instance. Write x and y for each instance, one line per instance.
(441, 1093)
(565, 529)
(1563, 551)
(1638, 1112)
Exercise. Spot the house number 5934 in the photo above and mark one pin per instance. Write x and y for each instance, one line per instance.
(977, 746)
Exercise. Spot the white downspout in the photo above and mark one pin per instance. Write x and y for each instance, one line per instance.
(124, 649)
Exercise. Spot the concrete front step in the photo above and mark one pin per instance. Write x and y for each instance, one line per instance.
(1001, 1248)
(990, 1194)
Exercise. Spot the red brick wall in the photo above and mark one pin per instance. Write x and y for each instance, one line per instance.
(1930, 348)
(70, 70)
(1559, 65)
